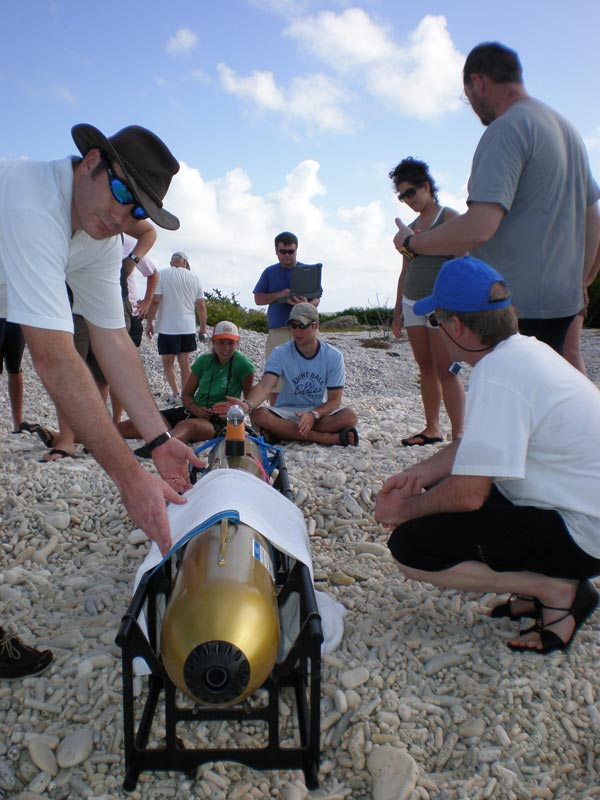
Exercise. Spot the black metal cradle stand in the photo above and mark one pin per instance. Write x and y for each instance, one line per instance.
(300, 669)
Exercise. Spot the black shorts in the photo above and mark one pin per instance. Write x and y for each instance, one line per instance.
(551, 331)
(506, 537)
(12, 345)
(181, 413)
(136, 330)
(81, 340)
(171, 344)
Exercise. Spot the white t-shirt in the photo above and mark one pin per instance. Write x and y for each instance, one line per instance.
(532, 423)
(38, 253)
(179, 289)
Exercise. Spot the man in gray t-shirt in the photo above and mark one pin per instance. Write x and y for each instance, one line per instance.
(533, 210)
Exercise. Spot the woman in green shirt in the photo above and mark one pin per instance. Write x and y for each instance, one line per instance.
(222, 372)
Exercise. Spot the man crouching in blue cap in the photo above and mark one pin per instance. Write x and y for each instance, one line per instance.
(514, 505)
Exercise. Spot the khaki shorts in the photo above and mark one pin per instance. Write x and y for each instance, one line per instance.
(275, 337)
(291, 412)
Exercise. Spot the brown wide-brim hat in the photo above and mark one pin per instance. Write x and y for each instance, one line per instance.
(146, 161)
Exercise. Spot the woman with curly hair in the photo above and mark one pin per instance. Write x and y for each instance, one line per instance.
(415, 187)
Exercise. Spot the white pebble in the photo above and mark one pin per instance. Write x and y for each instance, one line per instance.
(76, 747)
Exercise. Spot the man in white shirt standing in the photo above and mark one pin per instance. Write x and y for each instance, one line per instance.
(177, 299)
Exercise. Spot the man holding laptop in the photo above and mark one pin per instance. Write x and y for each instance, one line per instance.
(273, 290)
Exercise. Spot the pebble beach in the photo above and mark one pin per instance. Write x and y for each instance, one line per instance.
(422, 700)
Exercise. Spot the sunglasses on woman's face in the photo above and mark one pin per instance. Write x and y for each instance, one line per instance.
(122, 193)
(408, 194)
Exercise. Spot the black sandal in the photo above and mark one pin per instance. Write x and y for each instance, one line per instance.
(27, 426)
(505, 609)
(46, 437)
(584, 605)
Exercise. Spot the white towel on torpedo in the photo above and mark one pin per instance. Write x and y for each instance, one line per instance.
(261, 507)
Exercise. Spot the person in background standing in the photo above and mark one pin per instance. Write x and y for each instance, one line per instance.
(532, 199)
(177, 300)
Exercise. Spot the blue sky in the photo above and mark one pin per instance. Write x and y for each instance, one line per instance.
(286, 114)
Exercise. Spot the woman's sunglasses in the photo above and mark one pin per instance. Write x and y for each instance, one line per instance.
(122, 193)
(410, 192)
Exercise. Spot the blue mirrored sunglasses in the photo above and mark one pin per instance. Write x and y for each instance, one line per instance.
(122, 193)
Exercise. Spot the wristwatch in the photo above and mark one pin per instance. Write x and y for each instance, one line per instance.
(160, 439)
(135, 259)
(249, 405)
(405, 249)
(316, 415)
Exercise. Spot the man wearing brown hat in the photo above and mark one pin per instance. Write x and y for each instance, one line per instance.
(309, 405)
(59, 222)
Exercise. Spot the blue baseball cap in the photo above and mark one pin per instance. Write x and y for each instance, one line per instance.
(463, 284)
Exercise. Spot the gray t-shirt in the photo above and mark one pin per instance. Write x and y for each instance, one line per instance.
(533, 163)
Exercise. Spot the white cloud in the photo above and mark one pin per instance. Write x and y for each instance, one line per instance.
(421, 78)
(185, 39)
(284, 7)
(258, 87)
(592, 142)
(320, 103)
(65, 94)
(165, 83)
(200, 76)
(344, 41)
(228, 232)
(316, 100)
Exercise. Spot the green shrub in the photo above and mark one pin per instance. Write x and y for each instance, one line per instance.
(376, 316)
(256, 320)
(220, 307)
